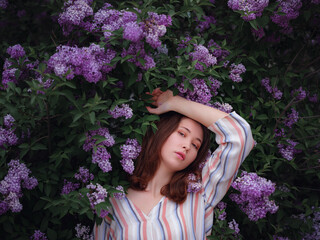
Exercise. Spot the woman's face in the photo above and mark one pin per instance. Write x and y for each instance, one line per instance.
(181, 147)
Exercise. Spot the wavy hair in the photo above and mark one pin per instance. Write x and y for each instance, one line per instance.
(149, 159)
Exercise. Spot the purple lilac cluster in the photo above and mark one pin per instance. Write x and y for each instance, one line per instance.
(121, 194)
(45, 84)
(204, 25)
(84, 175)
(3, 4)
(89, 62)
(214, 85)
(184, 43)
(315, 235)
(288, 151)
(194, 183)
(259, 33)
(7, 135)
(290, 8)
(83, 232)
(38, 235)
(315, 1)
(12, 184)
(203, 56)
(100, 155)
(96, 195)
(201, 92)
(74, 13)
(224, 107)
(292, 118)
(236, 70)
(129, 151)
(69, 187)
(254, 195)
(276, 93)
(234, 226)
(139, 55)
(218, 52)
(251, 9)
(123, 111)
(313, 98)
(299, 94)
(221, 207)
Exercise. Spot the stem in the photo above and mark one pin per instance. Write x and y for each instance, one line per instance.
(295, 57)
(310, 74)
(311, 116)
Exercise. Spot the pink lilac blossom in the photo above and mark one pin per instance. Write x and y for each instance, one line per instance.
(69, 187)
(84, 175)
(89, 62)
(137, 51)
(38, 235)
(75, 11)
(202, 55)
(129, 151)
(236, 70)
(290, 8)
(121, 194)
(288, 151)
(253, 196)
(97, 194)
(201, 92)
(251, 9)
(276, 93)
(299, 94)
(194, 183)
(83, 232)
(123, 111)
(292, 118)
(12, 184)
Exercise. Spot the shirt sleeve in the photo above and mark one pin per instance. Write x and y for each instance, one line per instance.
(233, 134)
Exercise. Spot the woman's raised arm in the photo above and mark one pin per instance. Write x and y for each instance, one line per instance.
(165, 102)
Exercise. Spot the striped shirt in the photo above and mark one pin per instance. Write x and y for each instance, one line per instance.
(192, 219)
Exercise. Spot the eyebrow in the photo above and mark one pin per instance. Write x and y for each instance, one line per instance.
(190, 132)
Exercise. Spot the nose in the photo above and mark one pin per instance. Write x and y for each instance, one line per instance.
(186, 146)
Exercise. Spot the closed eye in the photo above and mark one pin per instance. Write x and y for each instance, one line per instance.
(195, 146)
(181, 133)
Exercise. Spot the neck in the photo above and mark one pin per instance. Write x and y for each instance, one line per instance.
(160, 179)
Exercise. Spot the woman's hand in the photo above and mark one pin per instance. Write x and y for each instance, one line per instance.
(162, 101)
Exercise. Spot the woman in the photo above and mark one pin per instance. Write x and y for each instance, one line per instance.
(158, 204)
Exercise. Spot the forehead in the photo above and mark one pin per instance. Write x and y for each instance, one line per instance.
(194, 127)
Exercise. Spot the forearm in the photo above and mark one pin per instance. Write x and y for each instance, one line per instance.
(201, 113)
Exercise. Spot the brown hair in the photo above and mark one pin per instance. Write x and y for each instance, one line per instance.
(149, 159)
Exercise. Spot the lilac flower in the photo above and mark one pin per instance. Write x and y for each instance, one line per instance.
(90, 141)
(235, 72)
(251, 9)
(224, 107)
(259, 33)
(254, 195)
(201, 92)
(38, 235)
(84, 175)
(290, 8)
(184, 43)
(133, 32)
(313, 98)
(288, 151)
(10, 187)
(203, 25)
(16, 51)
(96, 195)
(83, 232)
(123, 111)
(314, 235)
(279, 132)
(276, 93)
(217, 52)
(299, 93)
(202, 54)
(221, 206)
(275, 237)
(234, 226)
(129, 151)
(194, 184)
(90, 62)
(101, 156)
(119, 195)
(69, 187)
(292, 118)
(3, 5)
(8, 121)
(214, 85)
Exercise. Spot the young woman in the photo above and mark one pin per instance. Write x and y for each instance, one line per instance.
(158, 204)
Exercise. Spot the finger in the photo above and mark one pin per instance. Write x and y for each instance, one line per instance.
(152, 110)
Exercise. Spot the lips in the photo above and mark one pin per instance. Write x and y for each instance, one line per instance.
(181, 155)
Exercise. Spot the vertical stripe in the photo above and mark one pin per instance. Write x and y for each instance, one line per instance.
(164, 219)
(132, 208)
(178, 220)
(122, 219)
(160, 224)
(183, 221)
(195, 210)
(191, 213)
